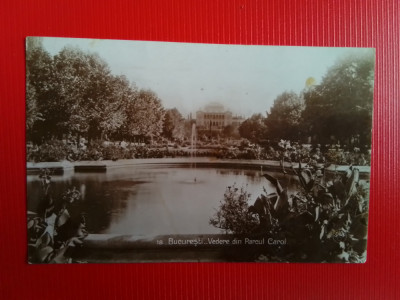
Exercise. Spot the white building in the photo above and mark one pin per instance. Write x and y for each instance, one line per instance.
(215, 117)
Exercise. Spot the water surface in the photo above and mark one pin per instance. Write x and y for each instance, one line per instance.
(152, 200)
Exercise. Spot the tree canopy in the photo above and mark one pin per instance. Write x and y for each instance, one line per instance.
(254, 128)
(285, 117)
(75, 93)
(173, 124)
(340, 107)
(145, 115)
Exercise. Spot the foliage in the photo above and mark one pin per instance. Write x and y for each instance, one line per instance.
(228, 131)
(55, 234)
(91, 96)
(254, 128)
(41, 87)
(232, 215)
(285, 117)
(53, 150)
(323, 221)
(75, 94)
(111, 114)
(145, 115)
(173, 127)
(337, 109)
(341, 106)
(32, 112)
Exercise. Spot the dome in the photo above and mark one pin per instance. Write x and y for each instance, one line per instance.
(214, 107)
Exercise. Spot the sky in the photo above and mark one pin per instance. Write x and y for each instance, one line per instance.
(245, 79)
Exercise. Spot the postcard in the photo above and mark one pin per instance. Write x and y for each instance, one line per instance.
(181, 152)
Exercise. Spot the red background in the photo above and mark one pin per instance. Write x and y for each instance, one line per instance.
(363, 23)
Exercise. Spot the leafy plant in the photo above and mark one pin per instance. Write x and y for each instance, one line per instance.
(54, 235)
(326, 223)
(233, 214)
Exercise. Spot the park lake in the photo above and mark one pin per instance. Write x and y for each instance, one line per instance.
(151, 200)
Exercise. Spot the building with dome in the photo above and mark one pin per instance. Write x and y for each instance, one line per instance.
(215, 117)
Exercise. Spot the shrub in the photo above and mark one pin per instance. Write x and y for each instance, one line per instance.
(233, 215)
(50, 151)
(112, 152)
(319, 227)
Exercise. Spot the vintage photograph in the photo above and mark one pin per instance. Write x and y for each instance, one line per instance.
(181, 152)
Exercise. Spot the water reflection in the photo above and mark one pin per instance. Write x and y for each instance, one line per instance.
(150, 201)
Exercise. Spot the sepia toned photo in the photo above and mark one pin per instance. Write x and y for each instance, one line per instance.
(176, 152)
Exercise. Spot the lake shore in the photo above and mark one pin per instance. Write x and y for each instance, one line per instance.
(87, 166)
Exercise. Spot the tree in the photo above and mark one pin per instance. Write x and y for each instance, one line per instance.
(254, 128)
(285, 117)
(32, 111)
(112, 113)
(173, 127)
(41, 89)
(86, 92)
(341, 106)
(74, 93)
(145, 115)
(93, 100)
(228, 130)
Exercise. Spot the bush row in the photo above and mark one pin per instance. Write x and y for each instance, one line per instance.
(58, 150)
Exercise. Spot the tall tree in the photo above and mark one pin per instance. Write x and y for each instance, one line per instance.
(75, 93)
(90, 96)
(32, 111)
(41, 90)
(231, 131)
(113, 114)
(173, 127)
(145, 115)
(254, 128)
(340, 108)
(285, 116)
